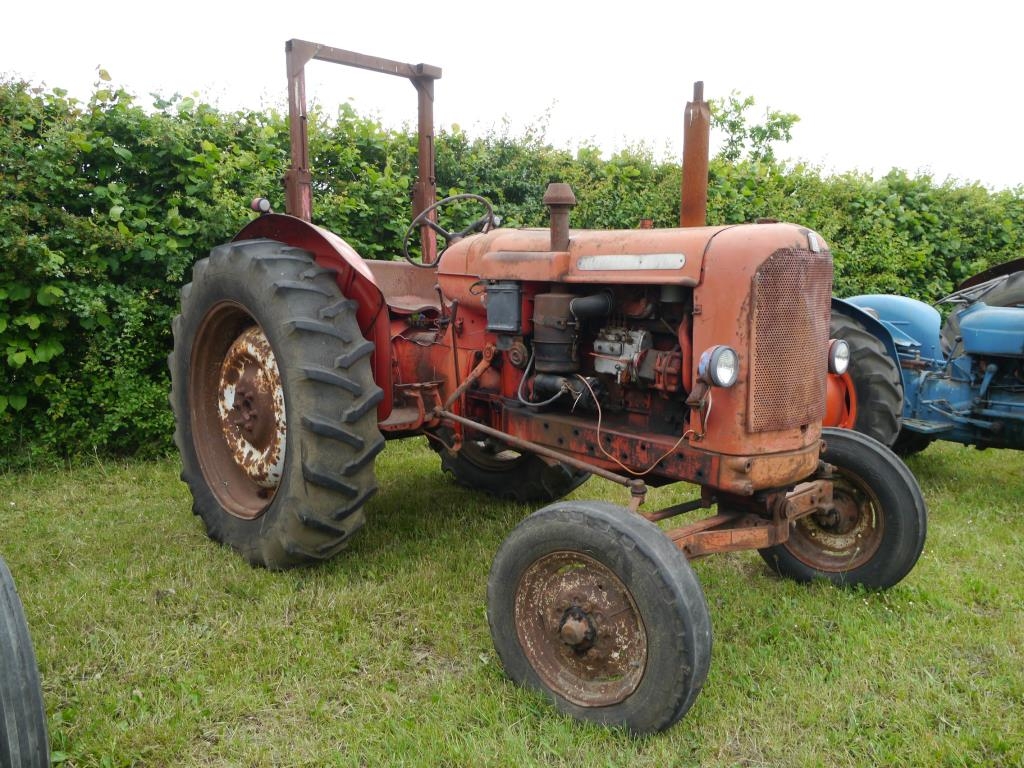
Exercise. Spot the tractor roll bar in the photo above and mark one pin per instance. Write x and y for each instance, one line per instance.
(297, 181)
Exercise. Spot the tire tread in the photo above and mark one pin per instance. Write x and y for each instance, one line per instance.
(324, 362)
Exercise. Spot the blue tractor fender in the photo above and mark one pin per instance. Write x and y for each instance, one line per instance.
(909, 328)
(872, 324)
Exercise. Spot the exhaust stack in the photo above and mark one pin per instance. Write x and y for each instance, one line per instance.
(693, 205)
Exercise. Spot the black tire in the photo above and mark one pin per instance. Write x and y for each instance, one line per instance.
(278, 511)
(483, 465)
(908, 443)
(877, 532)
(594, 607)
(875, 378)
(23, 737)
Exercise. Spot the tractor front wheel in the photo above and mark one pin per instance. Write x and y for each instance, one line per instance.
(875, 532)
(274, 404)
(594, 607)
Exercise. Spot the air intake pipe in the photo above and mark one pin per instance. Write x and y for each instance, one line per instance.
(559, 200)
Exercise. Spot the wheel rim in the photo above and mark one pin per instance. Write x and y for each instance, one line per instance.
(844, 538)
(579, 628)
(840, 402)
(238, 418)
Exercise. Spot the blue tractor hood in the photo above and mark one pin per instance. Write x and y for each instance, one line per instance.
(989, 330)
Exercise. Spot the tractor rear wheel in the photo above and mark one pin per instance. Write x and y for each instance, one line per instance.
(274, 404)
(594, 607)
(487, 466)
(875, 533)
(869, 396)
(23, 735)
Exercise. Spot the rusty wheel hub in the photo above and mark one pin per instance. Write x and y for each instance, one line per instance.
(238, 415)
(251, 408)
(580, 629)
(844, 537)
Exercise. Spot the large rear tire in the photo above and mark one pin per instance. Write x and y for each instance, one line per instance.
(274, 404)
(594, 607)
(876, 532)
(23, 736)
(872, 387)
(484, 465)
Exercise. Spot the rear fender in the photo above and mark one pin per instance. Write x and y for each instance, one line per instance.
(354, 279)
(904, 324)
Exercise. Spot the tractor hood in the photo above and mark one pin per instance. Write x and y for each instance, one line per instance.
(992, 330)
(636, 256)
(1010, 267)
(626, 256)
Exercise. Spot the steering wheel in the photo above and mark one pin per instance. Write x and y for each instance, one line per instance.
(483, 224)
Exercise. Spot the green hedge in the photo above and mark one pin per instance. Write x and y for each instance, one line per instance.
(107, 204)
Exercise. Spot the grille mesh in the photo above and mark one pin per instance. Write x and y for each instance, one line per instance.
(792, 303)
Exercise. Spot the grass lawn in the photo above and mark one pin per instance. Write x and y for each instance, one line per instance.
(158, 647)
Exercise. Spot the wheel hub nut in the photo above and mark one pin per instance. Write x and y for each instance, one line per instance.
(577, 630)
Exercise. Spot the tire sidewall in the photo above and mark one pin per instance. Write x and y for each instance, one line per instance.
(22, 712)
(662, 586)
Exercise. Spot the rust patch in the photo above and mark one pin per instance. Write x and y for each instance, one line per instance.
(841, 536)
(580, 629)
(250, 404)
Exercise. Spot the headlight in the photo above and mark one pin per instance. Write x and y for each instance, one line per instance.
(838, 356)
(719, 365)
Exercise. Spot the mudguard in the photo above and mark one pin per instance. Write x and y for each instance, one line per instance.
(354, 279)
(880, 330)
(912, 325)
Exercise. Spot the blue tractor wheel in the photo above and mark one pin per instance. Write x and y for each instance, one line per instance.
(872, 387)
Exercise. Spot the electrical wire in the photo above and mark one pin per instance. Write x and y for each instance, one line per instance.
(635, 472)
(401, 335)
(522, 381)
(705, 417)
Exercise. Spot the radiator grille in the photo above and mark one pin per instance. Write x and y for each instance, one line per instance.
(791, 294)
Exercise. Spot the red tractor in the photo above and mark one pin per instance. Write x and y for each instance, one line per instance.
(532, 359)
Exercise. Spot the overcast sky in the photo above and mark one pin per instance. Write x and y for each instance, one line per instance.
(929, 87)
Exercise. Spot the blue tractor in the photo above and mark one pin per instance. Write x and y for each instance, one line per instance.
(916, 377)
